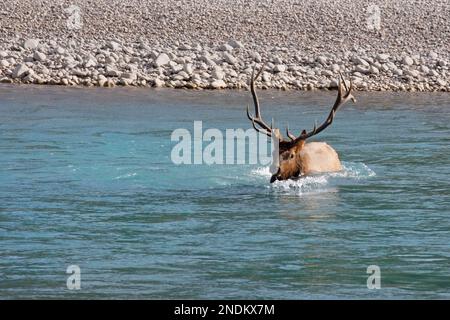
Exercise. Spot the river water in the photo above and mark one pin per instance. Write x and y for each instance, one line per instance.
(87, 179)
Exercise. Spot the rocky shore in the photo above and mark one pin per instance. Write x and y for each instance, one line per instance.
(383, 45)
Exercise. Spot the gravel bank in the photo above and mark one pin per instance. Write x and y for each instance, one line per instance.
(201, 44)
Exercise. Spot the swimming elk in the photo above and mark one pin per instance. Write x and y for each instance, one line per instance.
(296, 157)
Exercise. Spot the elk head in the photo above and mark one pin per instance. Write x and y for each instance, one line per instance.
(294, 160)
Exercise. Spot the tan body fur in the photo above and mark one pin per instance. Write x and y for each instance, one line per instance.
(306, 158)
(317, 157)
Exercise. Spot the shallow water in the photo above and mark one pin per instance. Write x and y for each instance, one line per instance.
(86, 179)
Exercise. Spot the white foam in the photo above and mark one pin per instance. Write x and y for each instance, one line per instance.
(308, 184)
(262, 171)
(319, 182)
(128, 175)
(356, 170)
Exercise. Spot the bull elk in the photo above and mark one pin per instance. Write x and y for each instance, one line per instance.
(296, 157)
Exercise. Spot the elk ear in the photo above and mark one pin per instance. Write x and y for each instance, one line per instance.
(300, 144)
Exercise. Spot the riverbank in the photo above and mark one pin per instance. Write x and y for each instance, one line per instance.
(399, 46)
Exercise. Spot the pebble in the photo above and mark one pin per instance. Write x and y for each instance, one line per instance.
(362, 69)
(236, 44)
(322, 60)
(188, 68)
(114, 46)
(408, 61)
(382, 57)
(374, 70)
(362, 62)
(218, 84)
(158, 83)
(398, 72)
(425, 70)
(31, 44)
(229, 58)
(39, 56)
(280, 68)
(20, 71)
(412, 73)
(225, 47)
(185, 47)
(218, 74)
(327, 73)
(162, 60)
(90, 63)
(129, 75)
(217, 51)
(257, 57)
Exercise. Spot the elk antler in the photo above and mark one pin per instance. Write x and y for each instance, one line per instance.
(341, 99)
(257, 119)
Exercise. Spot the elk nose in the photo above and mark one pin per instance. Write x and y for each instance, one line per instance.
(275, 176)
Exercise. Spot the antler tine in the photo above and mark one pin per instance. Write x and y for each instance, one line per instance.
(268, 133)
(260, 70)
(333, 113)
(315, 127)
(340, 100)
(252, 89)
(248, 113)
(257, 119)
(288, 133)
(341, 78)
(348, 94)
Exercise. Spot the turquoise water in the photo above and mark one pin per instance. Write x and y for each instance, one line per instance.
(86, 179)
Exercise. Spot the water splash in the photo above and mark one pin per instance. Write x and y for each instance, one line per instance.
(319, 182)
(356, 170)
(125, 176)
(309, 184)
(262, 171)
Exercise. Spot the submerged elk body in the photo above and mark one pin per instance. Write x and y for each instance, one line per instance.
(296, 156)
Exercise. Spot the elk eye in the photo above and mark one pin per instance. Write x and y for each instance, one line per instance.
(292, 155)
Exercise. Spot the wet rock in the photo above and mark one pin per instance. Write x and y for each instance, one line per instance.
(20, 71)
(218, 84)
(158, 83)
